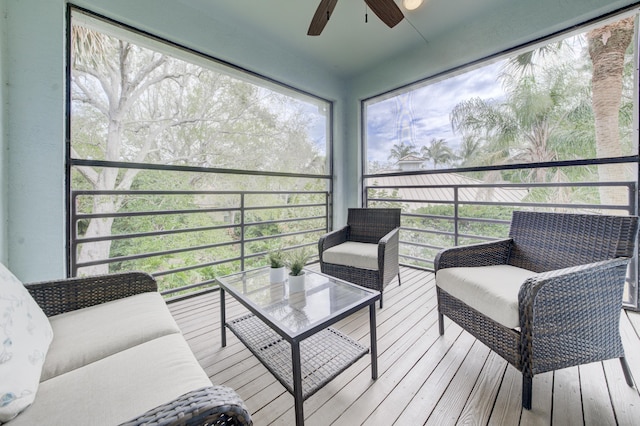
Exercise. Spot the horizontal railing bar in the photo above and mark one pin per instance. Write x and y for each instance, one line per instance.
(284, 206)
(416, 244)
(154, 254)
(460, 219)
(419, 259)
(198, 266)
(505, 203)
(151, 213)
(288, 234)
(186, 192)
(187, 287)
(154, 233)
(428, 231)
(505, 185)
(196, 248)
(524, 166)
(192, 169)
(187, 211)
(188, 230)
(276, 221)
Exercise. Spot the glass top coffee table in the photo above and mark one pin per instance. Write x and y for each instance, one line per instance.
(290, 333)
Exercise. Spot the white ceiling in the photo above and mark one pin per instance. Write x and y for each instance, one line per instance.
(347, 46)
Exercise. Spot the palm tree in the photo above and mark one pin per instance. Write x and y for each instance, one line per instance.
(607, 48)
(528, 126)
(438, 152)
(469, 150)
(401, 150)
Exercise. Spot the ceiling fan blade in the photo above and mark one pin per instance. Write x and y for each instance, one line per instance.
(387, 10)
(320, 18)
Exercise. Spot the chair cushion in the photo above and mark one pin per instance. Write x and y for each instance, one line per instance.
(350, 253)
(25, 336)
(119, 387)
(490, 290)
(89, 334)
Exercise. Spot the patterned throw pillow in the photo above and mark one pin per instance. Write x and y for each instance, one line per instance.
(25, 335)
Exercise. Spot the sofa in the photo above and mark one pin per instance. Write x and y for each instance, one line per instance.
(101, 351)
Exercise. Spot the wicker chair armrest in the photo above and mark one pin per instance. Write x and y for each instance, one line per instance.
(388, 251)
(482, 254)
(579, 305)
(70, 294)
(213, 405)
(331, 239)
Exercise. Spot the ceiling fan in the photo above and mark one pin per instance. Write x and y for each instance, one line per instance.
(387, 10)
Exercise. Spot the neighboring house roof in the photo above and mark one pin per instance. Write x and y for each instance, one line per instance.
(433, 187)
(411, 158)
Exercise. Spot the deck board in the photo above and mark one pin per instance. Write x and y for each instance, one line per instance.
(424, 378)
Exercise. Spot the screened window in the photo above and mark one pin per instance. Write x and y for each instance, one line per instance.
(572, 98)
(551, 127)
(185, 166)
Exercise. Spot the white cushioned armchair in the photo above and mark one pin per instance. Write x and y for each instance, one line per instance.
(365, 252)
(547, 297)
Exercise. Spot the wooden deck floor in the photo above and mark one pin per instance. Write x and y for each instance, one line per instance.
(423, 378)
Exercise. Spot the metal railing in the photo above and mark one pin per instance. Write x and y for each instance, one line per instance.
(297, 224)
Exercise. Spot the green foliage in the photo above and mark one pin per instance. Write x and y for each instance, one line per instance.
(276, 259)
(296, 261)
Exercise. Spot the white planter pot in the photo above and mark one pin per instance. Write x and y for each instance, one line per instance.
(277, 275)
(296, 283)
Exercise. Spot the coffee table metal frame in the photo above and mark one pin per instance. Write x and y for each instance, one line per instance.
(302, 361)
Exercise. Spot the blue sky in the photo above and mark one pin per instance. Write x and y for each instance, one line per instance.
(423, 114)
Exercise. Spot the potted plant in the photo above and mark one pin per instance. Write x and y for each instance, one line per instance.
(278, 272)
(296, 262)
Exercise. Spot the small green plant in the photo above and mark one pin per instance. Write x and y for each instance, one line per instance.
(297, 260)
(276, 259)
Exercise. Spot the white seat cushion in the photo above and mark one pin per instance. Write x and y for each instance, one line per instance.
(25, 336)
(87, 335)
(491, 290)
(359, 255)
(119, 387)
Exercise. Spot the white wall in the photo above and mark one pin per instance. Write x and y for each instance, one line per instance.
(35, 117)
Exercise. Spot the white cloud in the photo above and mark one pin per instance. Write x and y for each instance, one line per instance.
(426, 115)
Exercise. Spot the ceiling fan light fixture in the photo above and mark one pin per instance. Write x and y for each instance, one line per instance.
(412, 4)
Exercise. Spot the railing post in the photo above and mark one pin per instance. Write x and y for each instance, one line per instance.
(74, 235)
(631, 186)
(328, 219)
(242, 222)
(455, 215)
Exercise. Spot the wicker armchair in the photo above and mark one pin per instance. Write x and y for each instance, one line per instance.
(556, 286)
(365, 252)
(212, 405)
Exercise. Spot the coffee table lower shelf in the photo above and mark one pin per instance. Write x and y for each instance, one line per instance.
(323, 355)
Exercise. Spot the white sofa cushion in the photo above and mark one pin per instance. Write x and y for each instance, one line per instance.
(350, 253)
(490, 290)
(119, 387)
(87, 335)
(25, 336)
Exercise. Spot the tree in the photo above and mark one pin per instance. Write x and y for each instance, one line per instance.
(607, 48)
(401, 150)
(132, 104)
(469, 151)
(438, 152)
(530, 124)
